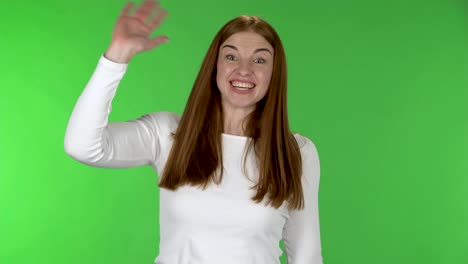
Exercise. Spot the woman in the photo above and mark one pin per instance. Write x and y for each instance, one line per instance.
(234, 180)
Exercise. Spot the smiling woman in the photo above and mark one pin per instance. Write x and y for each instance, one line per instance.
(244, 68)
(212, 184)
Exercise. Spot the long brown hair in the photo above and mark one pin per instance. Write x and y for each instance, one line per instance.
(197, 149)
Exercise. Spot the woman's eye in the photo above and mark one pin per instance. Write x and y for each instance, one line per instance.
(259, 60)
(230, 57)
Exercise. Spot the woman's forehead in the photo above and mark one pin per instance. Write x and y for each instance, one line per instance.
(246, 41)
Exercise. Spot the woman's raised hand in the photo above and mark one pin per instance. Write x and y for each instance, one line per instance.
(132, 32)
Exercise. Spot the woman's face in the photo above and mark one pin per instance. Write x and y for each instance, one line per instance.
(244, 67)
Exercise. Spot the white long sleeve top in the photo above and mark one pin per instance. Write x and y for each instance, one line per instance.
(220, 224)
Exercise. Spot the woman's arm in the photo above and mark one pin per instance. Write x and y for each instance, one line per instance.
(92, 140)
(89, 138)
(301, 233)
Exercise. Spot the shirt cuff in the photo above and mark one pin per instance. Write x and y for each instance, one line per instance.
(111, 65)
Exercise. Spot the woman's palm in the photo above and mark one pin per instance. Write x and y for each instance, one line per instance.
(133, 32)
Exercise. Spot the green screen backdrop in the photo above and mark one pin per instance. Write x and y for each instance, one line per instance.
(379, 86)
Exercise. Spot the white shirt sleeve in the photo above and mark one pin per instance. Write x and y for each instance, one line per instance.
(92, 140)
(301, 233)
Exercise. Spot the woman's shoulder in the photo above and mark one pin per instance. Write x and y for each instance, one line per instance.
(306, 145)
(165, 117)
(166, 122)
(303, 141)
(310, 159)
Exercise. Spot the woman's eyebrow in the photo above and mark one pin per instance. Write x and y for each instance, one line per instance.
(257, 50)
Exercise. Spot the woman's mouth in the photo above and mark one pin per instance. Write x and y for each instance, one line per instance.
(242, 85)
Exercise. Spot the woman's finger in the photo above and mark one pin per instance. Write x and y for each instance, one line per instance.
(125, 11)
(156, 41)
(144, 10)
(161, 15)
(153, 13)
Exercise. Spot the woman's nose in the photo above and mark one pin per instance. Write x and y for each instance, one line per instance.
(245, 68)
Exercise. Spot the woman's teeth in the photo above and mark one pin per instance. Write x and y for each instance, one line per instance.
(242, 85)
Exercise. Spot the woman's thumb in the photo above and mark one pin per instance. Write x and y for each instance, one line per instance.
(157, 40)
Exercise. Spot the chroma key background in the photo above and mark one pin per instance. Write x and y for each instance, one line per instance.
(379, 86)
